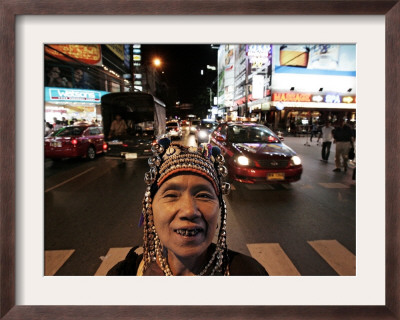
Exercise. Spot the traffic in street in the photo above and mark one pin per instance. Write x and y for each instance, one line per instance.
(92, 212)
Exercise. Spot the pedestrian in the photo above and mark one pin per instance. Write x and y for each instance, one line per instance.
(182, 210)
(118, 127)
(314, 131)
(327, 137)
(58, 125)
(48, 128)
(343, 137)
(64, 121)
(293, 128)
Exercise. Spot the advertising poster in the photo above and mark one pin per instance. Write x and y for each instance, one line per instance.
(320, 59)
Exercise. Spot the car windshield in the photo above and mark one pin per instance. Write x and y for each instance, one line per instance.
(172, 124)
(69, 131)
(244, 134)
(207, 125)
(147, 133)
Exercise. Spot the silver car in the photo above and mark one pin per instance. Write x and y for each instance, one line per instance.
(174, 130)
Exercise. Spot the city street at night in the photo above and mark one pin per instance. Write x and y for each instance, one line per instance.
(92, 212)
(291, 209)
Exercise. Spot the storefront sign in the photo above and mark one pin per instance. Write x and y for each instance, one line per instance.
(291, 97)
(90, 54)
(349, 99)
(317, 98)
(73, 95)
(332, 98)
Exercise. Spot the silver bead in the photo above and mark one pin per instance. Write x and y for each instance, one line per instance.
(149, 178)
(226, 188)
(150, 161)
(220, 159)
(223, 171)
(155, 148)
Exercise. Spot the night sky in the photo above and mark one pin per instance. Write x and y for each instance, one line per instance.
(182, 64)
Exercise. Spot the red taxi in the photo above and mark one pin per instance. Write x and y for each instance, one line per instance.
(79, 140)
(254, 154)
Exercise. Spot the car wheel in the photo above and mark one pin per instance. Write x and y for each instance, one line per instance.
(91, 153)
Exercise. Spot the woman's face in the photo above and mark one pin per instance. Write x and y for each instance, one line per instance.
(186, 210)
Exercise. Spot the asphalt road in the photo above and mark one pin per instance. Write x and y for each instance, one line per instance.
(92, 212)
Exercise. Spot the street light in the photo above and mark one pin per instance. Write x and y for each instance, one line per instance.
(157, 62)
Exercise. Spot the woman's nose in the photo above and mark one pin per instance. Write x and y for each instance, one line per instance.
(187, 207)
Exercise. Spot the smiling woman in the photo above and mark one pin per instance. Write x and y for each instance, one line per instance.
(182, 210)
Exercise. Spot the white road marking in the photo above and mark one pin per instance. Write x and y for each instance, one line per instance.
(113, 256)
(334, 185)
(70, 179)
(270, 255)
(273, 258)
(336, 255)
(54, 259)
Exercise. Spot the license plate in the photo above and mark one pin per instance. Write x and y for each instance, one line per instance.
(129, 156)
(276, 176)
(114, 143)
(55, 144)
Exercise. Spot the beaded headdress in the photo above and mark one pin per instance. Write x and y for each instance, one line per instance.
(169, 159)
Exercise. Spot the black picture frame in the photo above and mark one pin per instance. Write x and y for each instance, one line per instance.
(10, 9)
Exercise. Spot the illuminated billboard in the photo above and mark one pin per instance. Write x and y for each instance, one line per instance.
(316, 59)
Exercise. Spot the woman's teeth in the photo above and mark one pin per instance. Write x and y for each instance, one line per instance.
(188, 232)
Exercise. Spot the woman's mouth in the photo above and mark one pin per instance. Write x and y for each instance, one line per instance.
(188, 232)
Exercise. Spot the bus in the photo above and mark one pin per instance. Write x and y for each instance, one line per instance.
(144, 116)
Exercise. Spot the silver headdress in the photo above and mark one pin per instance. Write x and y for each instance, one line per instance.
(167, 160)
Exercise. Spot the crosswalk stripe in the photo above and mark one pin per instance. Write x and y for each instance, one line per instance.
(54, 259)
(113, 256)
(336, 255)
(273, 258)
(270, 255)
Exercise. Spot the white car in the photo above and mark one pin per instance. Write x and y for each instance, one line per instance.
(194, 125)
(174, 130)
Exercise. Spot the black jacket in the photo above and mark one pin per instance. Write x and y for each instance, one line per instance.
(239, 265)
(344, 133)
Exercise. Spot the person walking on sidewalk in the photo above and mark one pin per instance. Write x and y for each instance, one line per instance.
(327, 137)
(343, 137)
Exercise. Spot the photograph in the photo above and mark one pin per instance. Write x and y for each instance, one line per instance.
(282, 118)
(177, 139)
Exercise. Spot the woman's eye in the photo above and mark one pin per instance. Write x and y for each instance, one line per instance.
(205, 195)
(170, 195)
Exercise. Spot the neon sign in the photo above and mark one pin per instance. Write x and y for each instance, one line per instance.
(332, 98)
(318, 98)
(292, 97)
(348, 99)
(73, 95)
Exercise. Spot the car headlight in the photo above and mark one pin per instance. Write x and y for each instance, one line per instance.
(203, 134)
(295, 161)
(243, 161)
